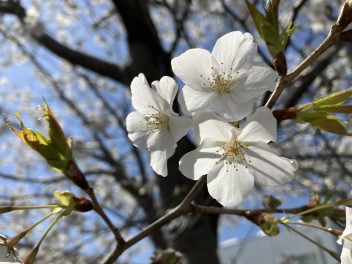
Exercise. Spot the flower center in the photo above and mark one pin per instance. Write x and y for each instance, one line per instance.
(233, 153)
(221, 81)
(156, 121)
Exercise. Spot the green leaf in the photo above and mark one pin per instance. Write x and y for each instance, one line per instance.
(272, 13)
(55, 149)
(268, 26)
(318, 112)
(257, 16)
(335, 98)
(284, 36)
(271, 38)
(344, 109)
(331, 124)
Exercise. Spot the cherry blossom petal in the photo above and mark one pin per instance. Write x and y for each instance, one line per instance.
(158, 161)
(269, 169)
(260, 79)
(261, 126)
(228, 185)
(208, 125)
(193, 101)
(193, 67)
(346, 253)
(143, 96)
(141, 76)
(166, 88)
(348, 228)
(225, 106)
(234, 50)
(160, 139)
(200, 161)
(179, 127)
(136, 129)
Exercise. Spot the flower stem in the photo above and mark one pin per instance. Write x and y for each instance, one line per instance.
(6, 209)
(330, 252)
(100, 211)
(322, 206)
(327, 229)
(11, 242)
(32, 255)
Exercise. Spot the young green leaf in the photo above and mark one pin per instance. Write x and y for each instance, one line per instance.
(55, 148)
(257, 16)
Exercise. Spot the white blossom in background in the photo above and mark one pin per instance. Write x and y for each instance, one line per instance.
(346, 237)
(233, 158)
(321, 13)
(225, 81)
(155, 125)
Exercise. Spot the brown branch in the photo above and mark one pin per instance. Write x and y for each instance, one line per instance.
(243, 212)
(82, 59)
(183, 208)
(296, 9)
(187, 206)
(75, 57)
(100, 211)
(284, 80)
(306, 81)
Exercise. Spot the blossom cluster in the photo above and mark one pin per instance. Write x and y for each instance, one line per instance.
(219, 93)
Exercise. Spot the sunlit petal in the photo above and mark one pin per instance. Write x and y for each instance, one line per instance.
(229, 185)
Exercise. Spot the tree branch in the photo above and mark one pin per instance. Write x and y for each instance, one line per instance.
(182, 208)
(82, 59)
(75, 57)
(284, 80)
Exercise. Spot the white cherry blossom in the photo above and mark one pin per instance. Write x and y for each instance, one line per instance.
(155, 125)
(346, 237)
(233, 158)
(226, 80)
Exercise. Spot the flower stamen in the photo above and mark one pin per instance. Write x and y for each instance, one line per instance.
(220, 80)
(155, 121)
(233, 153)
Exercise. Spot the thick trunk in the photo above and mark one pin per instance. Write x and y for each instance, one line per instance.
(195, 235)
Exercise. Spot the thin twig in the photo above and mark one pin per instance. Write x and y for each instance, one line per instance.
(330, 252)
(100, 211)
(241, 212)
(284, 80)
(330, 230)
(183, 208)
